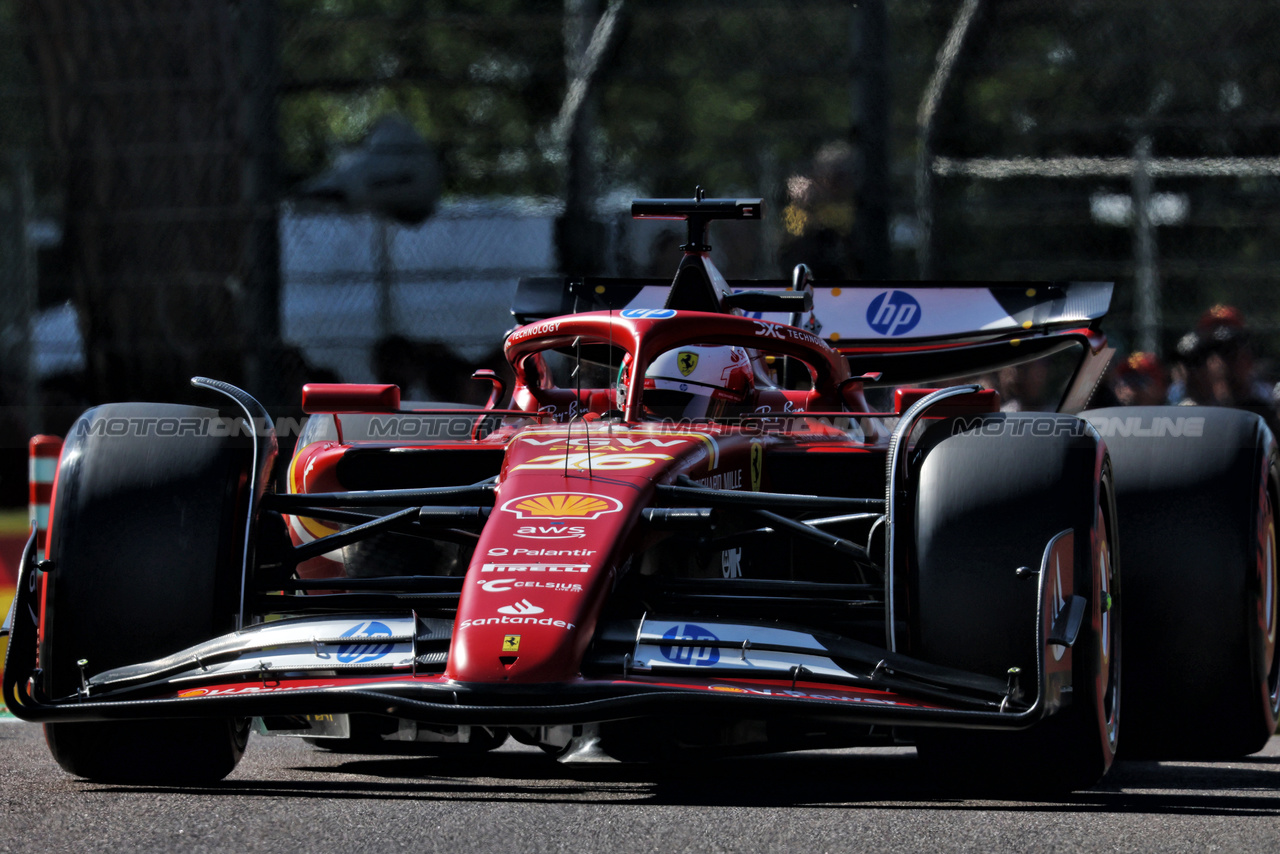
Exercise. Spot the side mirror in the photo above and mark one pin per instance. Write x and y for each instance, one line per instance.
(499, 390)
(350, 397)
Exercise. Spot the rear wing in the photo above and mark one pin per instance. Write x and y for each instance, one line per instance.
(853, 316)
(906, 332)
(898, 333)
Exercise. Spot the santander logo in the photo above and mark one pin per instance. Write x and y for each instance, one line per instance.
(522, 608)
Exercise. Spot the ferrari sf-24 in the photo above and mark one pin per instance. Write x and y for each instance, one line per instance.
(707, 518)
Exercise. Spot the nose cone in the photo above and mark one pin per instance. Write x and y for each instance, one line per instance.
(545, 561)
(526, 621)
(524, 645)
(542, 569)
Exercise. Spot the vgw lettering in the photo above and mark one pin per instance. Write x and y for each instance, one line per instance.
(586, 460)
(584, 442)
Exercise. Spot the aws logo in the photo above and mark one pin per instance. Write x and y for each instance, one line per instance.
(552, 531)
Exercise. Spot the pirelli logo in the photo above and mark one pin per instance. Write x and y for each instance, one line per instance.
(535, 567)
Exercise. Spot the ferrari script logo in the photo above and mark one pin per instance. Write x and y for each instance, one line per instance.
(687, 361)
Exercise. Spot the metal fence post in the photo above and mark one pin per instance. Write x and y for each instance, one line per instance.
(1147, 278)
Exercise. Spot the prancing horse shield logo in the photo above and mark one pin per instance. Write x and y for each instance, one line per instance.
(687, 361)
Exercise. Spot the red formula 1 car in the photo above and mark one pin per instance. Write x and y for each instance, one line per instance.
(712, 517)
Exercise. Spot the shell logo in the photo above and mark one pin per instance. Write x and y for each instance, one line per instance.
(562, 505)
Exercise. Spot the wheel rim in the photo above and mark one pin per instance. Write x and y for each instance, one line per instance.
(1109, 666)
(1267, 603)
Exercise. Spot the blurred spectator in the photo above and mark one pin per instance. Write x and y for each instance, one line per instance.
(1218, 358)
(1140, 380)
(1219, 361)
(819, 217)
(1177, 382)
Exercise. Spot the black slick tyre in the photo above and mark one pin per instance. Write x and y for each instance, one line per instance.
(1196, 497)
(146, 545)
(991, 494)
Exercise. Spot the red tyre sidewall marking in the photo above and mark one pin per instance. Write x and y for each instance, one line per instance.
(1267, 593)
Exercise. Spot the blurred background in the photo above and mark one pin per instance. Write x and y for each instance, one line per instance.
(279, 191)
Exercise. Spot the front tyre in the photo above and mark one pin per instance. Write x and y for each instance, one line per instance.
(990, 494)
(146, 546)
(149, 752)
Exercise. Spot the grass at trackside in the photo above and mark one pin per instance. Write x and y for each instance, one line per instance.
(14, 522)
(4, 647)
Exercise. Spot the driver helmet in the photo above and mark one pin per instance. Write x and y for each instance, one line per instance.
(699, 381)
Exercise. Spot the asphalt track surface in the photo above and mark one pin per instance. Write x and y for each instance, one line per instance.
(288, 796)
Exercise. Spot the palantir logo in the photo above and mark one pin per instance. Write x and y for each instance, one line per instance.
(698, 656)
(893, 313)
(360, 653)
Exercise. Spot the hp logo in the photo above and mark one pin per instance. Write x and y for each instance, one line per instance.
(698, 656)
(893, 313)
(648, 313)
(366, 648)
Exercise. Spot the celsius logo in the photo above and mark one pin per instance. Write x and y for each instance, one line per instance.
(893, 313)
(698, 656)
(359, 653)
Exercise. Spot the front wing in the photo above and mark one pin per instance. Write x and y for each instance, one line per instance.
(323, 665)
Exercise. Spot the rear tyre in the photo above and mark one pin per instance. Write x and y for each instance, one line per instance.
(990, 496)
(1196, 498)
(146, 543)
